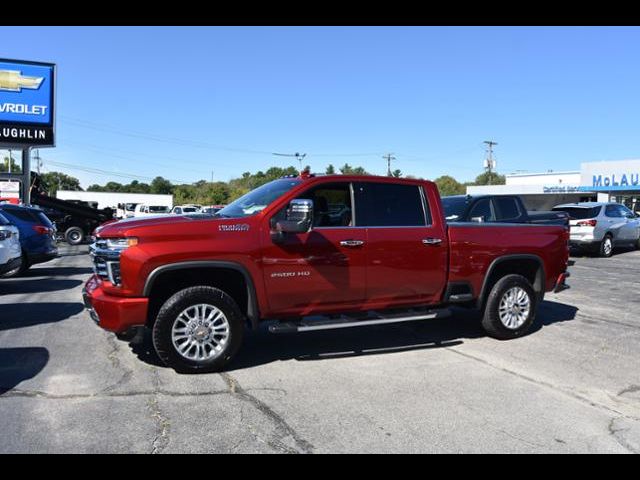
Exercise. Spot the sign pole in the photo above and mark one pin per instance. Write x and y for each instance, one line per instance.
(26, 176)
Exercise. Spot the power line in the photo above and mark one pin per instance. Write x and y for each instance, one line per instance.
(99, 171)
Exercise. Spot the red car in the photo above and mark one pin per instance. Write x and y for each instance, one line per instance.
(316, 252)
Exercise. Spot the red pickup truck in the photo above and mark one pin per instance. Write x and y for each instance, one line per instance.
(315, 252)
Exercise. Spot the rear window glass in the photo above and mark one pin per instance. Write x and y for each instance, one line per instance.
(21, 214)
(576, 213)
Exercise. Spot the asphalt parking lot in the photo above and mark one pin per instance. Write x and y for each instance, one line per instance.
(572, 385)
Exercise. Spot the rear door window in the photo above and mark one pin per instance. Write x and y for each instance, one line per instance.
(612, 211)
(482, 210)
(390, 205)
(506, 209)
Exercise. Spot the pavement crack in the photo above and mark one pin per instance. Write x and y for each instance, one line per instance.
(542, 383)
(617, 434)
(116, 364)
(15, 393)
(283, 429)
(629, 389)
(163, 427)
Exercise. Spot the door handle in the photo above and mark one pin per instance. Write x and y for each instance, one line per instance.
(432, 241)
(352, 243)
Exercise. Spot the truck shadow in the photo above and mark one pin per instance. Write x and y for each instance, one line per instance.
(20, 364)
(262, 347)
(57, 272)
(22, 286)
(20, 315)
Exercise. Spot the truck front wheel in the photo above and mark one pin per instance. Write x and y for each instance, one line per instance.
(510, 309)
(199, 329)
(74, 236)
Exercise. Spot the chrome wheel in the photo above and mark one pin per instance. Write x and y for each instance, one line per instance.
(201, 332)
(514, 309)
(608, 246)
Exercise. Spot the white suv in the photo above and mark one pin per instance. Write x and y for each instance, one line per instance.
(10, 251)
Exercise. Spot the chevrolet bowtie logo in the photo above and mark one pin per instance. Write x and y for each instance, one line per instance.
(13, 81)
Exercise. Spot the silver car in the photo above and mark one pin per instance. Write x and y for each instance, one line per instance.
(601, 226)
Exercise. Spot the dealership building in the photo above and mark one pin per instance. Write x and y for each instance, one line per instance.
(617, 181)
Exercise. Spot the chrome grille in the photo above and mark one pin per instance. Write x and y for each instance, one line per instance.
(106, 262)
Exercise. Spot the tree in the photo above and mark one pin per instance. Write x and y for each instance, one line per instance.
(347, 169)
(396, 173)
(331, 170)
(15, 167)
(448, 185)
(161, 186)
(492, 178)
(54, 181)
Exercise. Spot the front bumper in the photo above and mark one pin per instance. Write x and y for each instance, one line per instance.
(116, 314)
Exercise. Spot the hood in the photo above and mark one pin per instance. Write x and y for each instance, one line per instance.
(118, 228)
(175, 226)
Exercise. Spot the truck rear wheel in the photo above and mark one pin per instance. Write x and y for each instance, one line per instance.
(74, 236)
(510, 309)
(199, 329)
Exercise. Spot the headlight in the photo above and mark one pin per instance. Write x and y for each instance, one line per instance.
(121, 243)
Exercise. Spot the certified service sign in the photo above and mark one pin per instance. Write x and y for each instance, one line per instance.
(27, 95)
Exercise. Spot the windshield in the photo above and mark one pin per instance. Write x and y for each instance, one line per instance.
(454, 207)
(579, 213)
(158, 209)
(257, 200)
(130, 207)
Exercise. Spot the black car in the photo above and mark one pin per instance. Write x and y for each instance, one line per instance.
(496, 209)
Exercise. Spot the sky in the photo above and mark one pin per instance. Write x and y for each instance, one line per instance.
(213, 102)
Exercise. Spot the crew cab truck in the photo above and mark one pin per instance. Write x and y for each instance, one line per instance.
(497, 208)
(281, 253)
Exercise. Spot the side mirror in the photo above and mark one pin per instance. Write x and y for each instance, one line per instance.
(299, 217)
(477, 219)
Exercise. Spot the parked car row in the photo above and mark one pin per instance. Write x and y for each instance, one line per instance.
(35, 233)
(597, 227)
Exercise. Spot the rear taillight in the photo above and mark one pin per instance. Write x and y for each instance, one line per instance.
(40, 230)
(587, 223)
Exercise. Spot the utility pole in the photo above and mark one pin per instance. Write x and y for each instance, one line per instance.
(490, 163)
(299, 156)
(38, 160)
(388, 157)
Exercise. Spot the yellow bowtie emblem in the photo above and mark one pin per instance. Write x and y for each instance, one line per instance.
(14, 81)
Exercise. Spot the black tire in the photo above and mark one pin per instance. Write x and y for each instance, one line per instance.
(21, 270)
(74, 236)
(491, 320)
(606, 251)
(168, 315)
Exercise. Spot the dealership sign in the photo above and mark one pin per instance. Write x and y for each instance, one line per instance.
(624, 175)
(27, 109)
